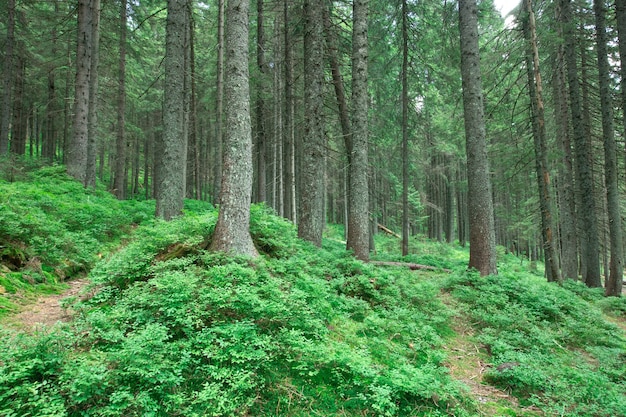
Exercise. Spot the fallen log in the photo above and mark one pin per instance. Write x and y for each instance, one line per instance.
(388, 231)
(411, 266)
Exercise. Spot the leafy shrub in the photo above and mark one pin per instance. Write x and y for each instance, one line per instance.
(175, 330)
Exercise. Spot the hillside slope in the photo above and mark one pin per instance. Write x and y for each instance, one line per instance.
(171, 329)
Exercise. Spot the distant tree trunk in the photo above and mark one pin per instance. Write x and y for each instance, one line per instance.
(261, 111)
(232, 233)
(7, 78)
(613, 284)
(119, 181)
(194, 161)
(480, 204)
(620, 14)
(76, 158)
(219, 114)
(340, 93)
(405, 131)
(92, 124)
(587, 212)
(49, 133)
(358, 224)
(170, 187)
(535, 89)
(289, 165)
(311, 218)
(565, 188)
(20, 108)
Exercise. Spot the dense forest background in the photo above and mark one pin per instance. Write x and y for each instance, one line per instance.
(99, 103)
(436, 221)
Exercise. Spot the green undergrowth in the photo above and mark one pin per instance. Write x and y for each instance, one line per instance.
(176, 330)
(549, 345)
(171, 329)
(52, 228)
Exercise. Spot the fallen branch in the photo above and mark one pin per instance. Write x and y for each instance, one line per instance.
(388, 231)
(411, 266)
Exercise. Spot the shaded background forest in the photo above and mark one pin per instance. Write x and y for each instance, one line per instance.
(39, 81)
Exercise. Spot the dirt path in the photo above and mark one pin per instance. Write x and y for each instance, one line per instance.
(47, 310)
(467, 363)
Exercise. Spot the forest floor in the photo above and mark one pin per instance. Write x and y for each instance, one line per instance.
(467, 362)
(47, 309)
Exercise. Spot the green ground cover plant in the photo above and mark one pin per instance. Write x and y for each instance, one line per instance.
(170, 329)
(175, 330)
(548, 344)
(52, 228)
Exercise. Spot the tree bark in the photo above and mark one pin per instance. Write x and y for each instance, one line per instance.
(535, 89)
(587, 211)
(565, 188)
(613, 285)
(8, 78)
(76, 158)
(289, 165)
(119, 175)
(261, 112)
(311, 218)
(358, 203)
(232, 233)
(405, 131)
(171, 178)
(92, 124)
(480, 205)
(219, 114)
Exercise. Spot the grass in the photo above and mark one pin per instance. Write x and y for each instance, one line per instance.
(172, 329)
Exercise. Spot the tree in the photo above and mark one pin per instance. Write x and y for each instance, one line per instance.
(405, 130)
(313, 170)
(565, 184)
(119, 175)
(535, 88)
(92, 117)
(613, 284)
(480, 205)
(588, 228)
(232, 233)
(8, 78)
(76, 158)
(358, 224)
(219, 102)
(170, 186)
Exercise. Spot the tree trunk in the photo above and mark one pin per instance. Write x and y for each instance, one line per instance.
(119, 182)
(8, 78)
(289, 165)
(76, 158)
(171, 179)
(535, 89)
(480, 205)
(587, 211)
(232, 233)
(405, 131)
(358, 203)
(49, 134)
(613, 285)
(565, 190)
(92, 124)
(219, 114)
(311, 219)
(261, 112)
